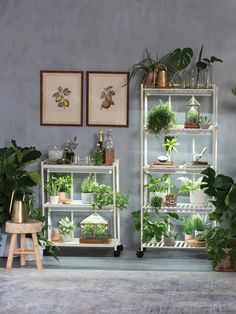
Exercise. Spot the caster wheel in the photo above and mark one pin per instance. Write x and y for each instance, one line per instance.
(139, 253)
(116, 253)
(120, 247)
(144, 249)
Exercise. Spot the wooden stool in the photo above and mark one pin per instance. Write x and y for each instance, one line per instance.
(32, 226)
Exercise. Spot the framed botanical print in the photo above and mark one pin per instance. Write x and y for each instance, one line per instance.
(108, 99)
(61, 98)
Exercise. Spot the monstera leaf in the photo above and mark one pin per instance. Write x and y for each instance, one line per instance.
(181, 58)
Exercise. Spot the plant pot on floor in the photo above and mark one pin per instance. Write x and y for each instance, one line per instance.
(226, 264)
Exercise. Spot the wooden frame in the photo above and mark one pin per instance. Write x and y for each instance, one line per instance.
(61, 98)
(107, 99)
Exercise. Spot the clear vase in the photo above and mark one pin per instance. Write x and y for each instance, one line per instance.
(208, 77)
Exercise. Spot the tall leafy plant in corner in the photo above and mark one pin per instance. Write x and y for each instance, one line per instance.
(14, 174)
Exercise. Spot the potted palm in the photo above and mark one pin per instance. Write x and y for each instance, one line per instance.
(188, 228)
(221, 239)
(158, 186)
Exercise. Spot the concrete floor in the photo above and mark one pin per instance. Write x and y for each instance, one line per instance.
(190, 260)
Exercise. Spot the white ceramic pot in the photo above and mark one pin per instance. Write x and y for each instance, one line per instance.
(198, 198)
(67, 237)
(54, 199)
(199, 235)
(86, 197)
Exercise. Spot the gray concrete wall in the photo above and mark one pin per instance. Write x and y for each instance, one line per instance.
(107, 35)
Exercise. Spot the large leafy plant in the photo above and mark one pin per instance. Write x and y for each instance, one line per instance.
(14, 174)
(221, 239)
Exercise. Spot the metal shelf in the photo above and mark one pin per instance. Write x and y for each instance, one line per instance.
(178, 91)
(178, 169)
(76, 243)
(76, 205)
(184, 208)
(178, 245)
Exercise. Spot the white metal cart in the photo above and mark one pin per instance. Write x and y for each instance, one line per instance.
(77, 206)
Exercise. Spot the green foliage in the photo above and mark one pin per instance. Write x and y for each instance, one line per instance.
(14, 175)
(36, 214)
(199, 222)
(234, 90)
(94, 231)
(193, 116)
(160, 119)
(52, 186)
(170, 143)
(189, 185)
(223, 189)
(204, 120)
(156, 202)
(105, 197)
(154, 225)
(64, 182)
(66, 226)
(89, 184)
(188, 225)
(161, 184)
(181, 58)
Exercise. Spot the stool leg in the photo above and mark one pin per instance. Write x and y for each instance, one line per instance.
(22, 246)
(11, 251)
(36, 251)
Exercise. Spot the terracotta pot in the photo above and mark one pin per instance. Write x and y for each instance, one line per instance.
(62, 196)
(226, 264)
(188, 237)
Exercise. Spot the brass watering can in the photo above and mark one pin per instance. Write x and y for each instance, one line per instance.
(162, 77)
(18, 209)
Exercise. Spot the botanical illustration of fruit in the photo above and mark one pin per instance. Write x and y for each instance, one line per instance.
(106, 95)
(61, 97)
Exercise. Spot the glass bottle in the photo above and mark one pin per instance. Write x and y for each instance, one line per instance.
(98, 156)
(109, 151)
(101, 143)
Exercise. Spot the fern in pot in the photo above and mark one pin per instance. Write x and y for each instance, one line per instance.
(188, 228)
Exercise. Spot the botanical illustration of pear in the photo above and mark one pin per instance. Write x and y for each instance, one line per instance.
(60, 97)
(106, 95)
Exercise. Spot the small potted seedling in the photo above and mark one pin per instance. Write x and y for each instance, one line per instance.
(199, 223)
(66, 228)
(89, 188)
(188, 228)
(204, 122)
(170, 237)
(53, 189)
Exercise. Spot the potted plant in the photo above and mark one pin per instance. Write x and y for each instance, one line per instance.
(154, 225)
(197, 196)
(160, 119)
(105, 197)
(66, 228)
(171, 197)
(65, 184)
(170, 237)
(14, 174)
(89, 188)
(69, 148)
(156, 202)
(170, 143)
(199, 223)
(204, 122)
(53, 189)
(188, 228)
(205, 64)
(158, 186)
(221, 239)
(174, 62)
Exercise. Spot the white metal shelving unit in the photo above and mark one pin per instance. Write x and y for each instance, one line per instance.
(77, 206)
(148, 95)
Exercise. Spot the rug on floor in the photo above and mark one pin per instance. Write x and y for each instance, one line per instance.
(28, 291)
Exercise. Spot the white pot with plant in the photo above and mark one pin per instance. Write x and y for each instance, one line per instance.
(197, 196)
(89, 188)
(53, 189)
(170, 238)
(66, 228)
(158, 186)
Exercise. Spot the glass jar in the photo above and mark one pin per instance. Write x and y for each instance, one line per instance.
(55, 152)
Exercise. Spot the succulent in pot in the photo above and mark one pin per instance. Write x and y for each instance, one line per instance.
(204, 122)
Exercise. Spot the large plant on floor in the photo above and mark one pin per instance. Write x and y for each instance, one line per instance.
(221, 239)
(14, 174)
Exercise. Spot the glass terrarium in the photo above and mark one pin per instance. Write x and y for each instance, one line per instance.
(192, 114)
(94, 229)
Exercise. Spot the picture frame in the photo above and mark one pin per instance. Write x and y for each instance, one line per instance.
(61, 98)
(107, 99)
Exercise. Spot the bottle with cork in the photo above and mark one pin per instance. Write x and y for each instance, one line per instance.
(109, 150)
(100, 150)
